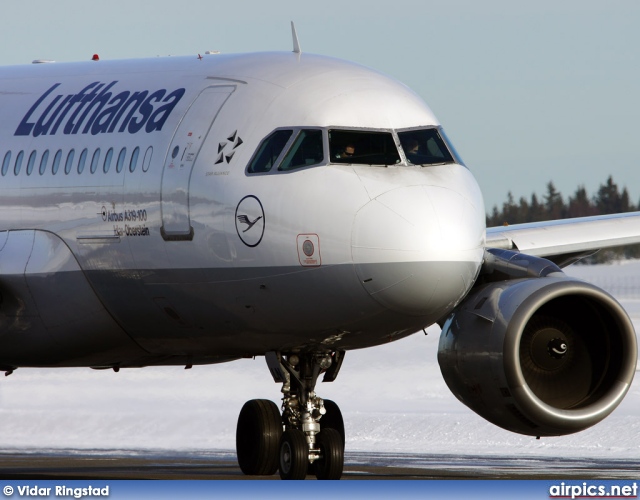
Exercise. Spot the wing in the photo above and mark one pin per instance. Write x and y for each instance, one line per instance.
(565, 241)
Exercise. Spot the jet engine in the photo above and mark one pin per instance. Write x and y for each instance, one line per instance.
(542, 354)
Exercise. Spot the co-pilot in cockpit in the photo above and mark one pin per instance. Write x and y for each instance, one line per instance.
(425, 147)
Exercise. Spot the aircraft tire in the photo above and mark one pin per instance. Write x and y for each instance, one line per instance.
(294, 455)
(331, 463)
(333, 419)
(258, 436)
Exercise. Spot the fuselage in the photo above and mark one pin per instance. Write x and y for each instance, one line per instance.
(189, 210)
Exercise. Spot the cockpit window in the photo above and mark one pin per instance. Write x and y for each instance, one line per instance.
(363, 147)
(306, 150)
(269, 151)
(286, 150)
(452, 149)
(425, 147)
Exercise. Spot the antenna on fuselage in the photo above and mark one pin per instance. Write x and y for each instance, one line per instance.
(296, 43)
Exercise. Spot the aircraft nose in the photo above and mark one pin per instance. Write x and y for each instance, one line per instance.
(417, 250)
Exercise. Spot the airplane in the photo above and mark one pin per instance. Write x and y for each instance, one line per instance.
(194, 210)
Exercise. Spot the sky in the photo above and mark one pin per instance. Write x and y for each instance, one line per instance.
(529, 92)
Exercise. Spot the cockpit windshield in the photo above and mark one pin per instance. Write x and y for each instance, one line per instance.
(363, 147)
(425, 147)
(304, 148)
(269, 151)
(297, 148)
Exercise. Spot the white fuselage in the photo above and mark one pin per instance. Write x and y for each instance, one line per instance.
(181, 254)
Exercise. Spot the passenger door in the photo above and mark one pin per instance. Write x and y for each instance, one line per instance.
(181, 158)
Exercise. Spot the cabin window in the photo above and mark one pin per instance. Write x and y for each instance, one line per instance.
(18, 164)
(83, 160)
(269, 151)
(67, 165)
(31, 162)
(425, 147)
(363, 147)
(5, 163)
(147, 159)
(134, 159)
(95, 160)
(43, 162)
(306, 150)
(56, 162)
(107, 160)
(121, 157)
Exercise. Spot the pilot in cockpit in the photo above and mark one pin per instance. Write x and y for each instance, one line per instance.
(411, 148)
(348, 151)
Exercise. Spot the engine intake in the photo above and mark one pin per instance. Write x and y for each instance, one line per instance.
(544, 356)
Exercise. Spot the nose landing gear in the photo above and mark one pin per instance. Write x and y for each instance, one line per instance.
(313, 436)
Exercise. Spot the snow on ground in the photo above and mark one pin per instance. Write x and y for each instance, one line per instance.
(393, 399)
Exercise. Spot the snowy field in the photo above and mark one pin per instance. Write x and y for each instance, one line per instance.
(393, 399)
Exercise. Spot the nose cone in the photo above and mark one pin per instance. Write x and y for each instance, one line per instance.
(417, 250)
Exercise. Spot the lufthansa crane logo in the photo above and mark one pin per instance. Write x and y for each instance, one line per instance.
(245, 220)
(250, 221)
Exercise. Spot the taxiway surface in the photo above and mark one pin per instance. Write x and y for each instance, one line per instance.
(119, 464)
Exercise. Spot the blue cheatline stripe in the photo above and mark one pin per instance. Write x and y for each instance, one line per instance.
(265, 490)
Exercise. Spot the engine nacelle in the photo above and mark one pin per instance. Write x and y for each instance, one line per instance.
(544, 356)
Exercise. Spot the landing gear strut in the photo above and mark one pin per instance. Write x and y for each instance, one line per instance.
(313, 436)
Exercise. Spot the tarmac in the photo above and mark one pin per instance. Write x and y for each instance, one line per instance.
(214, 465)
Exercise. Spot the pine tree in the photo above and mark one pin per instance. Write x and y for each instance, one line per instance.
(523, 210)
(553, 203)
(509, 210)
(580, 205)
(625, 204)
(608, 199)
(537, 211)
(494, 218)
